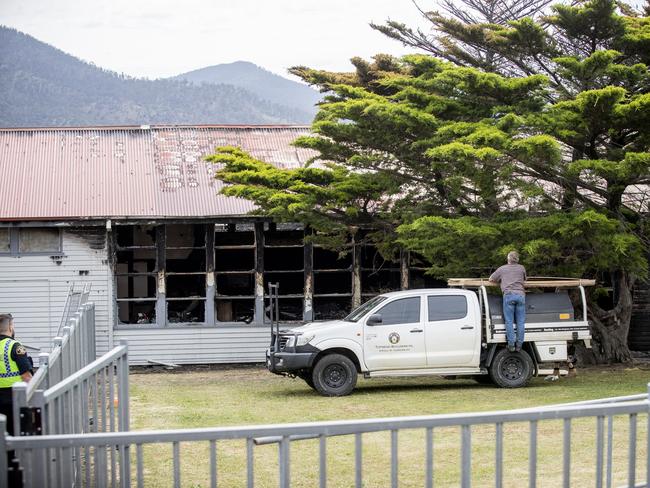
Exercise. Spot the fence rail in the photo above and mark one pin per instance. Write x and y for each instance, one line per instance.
(602, 413)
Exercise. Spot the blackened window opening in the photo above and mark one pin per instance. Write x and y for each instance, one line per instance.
(234, 265)
(331, 308)
(284, 263)
(135, 269)
(185, 273)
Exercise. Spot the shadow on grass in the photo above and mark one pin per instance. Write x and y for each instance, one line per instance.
(367, 387)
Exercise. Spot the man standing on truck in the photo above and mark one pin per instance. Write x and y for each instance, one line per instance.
(512, 277)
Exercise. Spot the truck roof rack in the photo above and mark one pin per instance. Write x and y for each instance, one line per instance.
(532, 282)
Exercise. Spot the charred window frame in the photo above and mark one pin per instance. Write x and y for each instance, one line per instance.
(218, 274)
(417, 273)
(332, 282)
(235, 258)
(378, 275)
(136, 273)
(31, 241)
(185, 273)
(284, 263)
(161, 274)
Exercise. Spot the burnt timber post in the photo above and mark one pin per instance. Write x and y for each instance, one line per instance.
(404, 269)
(259, 273)
(161, 306)
(210, 287)
(308, 255)
(356, 274)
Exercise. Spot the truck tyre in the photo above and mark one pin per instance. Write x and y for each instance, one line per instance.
(334, 375)
(511, 369)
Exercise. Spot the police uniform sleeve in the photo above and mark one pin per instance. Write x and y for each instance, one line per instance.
(19, 354)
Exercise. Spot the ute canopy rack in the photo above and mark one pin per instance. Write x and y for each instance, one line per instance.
(532, 282)
(481, 285)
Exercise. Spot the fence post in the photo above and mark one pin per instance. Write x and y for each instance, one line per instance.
(19, 400)
(77, 324)
(123, 409)
(647, 473)
(34, 462)
(79, 342)
(85, 334)
(58, 342)
(65, 356)
(91, 340)
(43, 363)
(3, 452)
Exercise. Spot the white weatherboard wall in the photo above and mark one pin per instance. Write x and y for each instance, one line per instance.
(34, 288)
(196, 345)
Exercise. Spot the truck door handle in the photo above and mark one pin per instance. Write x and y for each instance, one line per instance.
(466, 327)
(416, 330)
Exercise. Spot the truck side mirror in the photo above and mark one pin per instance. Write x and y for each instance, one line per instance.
(374, 319)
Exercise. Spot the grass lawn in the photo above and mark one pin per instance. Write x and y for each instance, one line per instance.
(251, 395)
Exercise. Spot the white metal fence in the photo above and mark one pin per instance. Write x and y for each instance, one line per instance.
(72, 392)
(600, 413)
(72, 349)
(93, 399)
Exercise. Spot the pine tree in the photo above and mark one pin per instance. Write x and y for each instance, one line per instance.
(459, 30)
(460, 164)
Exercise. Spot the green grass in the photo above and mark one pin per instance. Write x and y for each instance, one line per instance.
(245, 396)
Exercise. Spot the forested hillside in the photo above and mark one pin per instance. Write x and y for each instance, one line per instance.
(43, 86)
(257, 80)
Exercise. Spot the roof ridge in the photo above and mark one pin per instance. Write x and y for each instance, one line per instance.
(156, 126)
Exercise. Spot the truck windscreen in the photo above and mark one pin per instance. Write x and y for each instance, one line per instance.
(362, 309)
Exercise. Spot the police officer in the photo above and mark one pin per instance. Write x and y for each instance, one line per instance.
(15, 366)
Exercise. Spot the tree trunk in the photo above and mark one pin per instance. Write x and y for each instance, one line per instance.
(610, 327)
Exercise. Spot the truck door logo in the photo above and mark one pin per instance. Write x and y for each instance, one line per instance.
(393, 338)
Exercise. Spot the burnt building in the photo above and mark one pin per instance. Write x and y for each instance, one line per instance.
(175, 268)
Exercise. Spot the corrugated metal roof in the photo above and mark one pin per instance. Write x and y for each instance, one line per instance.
(130, 172)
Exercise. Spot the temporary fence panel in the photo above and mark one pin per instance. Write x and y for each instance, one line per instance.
(606, 456)
(71, 392)
(91, 400)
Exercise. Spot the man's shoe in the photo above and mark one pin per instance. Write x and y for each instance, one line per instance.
(518, 347)
(511, 347)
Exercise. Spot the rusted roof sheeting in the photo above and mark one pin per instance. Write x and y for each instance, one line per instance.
(129, 172)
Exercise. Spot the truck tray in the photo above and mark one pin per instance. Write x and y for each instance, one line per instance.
(540, 307)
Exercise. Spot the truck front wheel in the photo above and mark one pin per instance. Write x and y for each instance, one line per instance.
(511, 369)
(334, 375)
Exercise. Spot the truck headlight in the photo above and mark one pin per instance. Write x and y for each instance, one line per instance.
(304, 339)
(291, 341)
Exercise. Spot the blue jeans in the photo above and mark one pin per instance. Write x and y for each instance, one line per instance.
(514, 309)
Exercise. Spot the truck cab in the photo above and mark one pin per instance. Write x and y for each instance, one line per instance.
(442, 331)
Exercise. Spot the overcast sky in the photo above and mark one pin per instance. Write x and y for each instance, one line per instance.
(158, 38)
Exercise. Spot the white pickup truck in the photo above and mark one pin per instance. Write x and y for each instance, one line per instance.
(441, 331)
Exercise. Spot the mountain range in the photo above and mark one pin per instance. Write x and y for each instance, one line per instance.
(43, 86)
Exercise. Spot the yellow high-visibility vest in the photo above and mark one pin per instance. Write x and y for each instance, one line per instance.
(9, 372)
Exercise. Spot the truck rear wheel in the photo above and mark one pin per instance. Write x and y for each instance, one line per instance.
(334, 375)
(511, 369)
